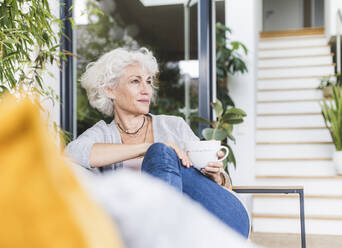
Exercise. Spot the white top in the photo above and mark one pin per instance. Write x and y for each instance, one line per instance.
(166, 128)
(134, 164)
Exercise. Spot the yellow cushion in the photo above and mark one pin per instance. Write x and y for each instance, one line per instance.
(41, 202)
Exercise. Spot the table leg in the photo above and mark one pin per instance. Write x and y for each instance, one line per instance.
(302, 218)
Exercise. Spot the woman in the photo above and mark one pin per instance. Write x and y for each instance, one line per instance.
(120, 84)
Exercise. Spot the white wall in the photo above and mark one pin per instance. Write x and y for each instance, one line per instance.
(330, 8)
(245, 20)
(53, 110)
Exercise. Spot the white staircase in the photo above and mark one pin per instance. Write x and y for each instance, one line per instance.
(293, 146)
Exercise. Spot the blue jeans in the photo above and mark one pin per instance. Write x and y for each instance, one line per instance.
(162, 162)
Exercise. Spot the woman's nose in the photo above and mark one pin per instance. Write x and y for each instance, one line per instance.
(145, 86)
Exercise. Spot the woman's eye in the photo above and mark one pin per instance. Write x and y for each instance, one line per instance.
(135, 81)
(149, 82)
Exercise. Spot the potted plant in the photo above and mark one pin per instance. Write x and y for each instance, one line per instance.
(222, 128)
(332, 114)
(229, 61)
(328, 82)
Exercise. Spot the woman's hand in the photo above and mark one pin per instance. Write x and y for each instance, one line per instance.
(213, 170)
(182, 155)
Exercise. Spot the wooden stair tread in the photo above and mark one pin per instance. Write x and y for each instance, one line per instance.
(289, 114)
(289, 128)
(295, 143)
(307, 217)
(328, 197)
(292, 100)
(292, 159)
(293, 47)
(298, 177)
(292, 32)
(286, 89)
(294, 77)
(296, 56)
(295, 67)
(268, 187)
(291, 38)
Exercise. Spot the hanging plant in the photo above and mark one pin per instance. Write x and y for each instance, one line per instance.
(28, 43)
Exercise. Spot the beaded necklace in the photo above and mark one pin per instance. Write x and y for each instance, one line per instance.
(133, 133)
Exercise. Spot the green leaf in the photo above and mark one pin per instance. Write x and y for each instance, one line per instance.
(38, 80)
(219, 134)
(208, 133)
(11, 41)
(71, 7)
(332, 114)
(199, 119)
(235, 45)
(225, 164)
(72, 22)
(227, 127)
(231, 157)
(233, 116)
(216, 134)
(217, 106)
(97, 11)
(234, 120)
(235, 111)
(3, 89)
(244, 48)
(231, 137)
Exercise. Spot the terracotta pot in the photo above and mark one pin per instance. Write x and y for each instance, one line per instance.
(337, 159)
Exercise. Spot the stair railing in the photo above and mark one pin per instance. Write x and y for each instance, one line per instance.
(338, 41)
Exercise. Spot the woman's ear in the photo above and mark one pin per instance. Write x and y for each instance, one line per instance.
(110, 92)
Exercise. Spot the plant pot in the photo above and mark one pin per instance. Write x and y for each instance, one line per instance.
(328, 92)
(337, 159)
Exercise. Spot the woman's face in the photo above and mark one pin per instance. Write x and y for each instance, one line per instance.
(134, 90)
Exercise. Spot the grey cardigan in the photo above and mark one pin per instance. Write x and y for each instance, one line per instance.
(165, 128)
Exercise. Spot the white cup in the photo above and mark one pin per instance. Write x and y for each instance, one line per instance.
(201, 153)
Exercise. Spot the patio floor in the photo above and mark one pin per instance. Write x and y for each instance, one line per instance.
(282, 240)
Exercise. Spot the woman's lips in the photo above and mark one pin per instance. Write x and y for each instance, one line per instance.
(144, 101)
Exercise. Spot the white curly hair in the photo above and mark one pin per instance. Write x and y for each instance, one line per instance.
(106, 71)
